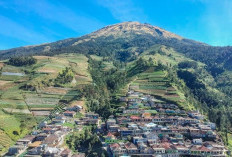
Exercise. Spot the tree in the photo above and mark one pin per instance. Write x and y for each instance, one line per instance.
(21, 61)
(65, 76)
(187, 64)
(0, 71)
(150, 61)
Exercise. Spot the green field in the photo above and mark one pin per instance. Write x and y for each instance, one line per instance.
(15, 100)
(5, 141)
(157, 83)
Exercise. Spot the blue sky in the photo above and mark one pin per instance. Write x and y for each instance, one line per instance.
(29, 22)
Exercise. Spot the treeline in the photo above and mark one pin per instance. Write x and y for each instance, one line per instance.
(22, 61)
(217, 106)
(187, 64)
(105, 84)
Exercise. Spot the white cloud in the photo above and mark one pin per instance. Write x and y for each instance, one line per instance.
(124, 10)
(47, 12)
(74, 20)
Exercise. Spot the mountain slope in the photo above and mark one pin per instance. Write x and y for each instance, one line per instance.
(131, 31)
(129, 37)
(199, 73)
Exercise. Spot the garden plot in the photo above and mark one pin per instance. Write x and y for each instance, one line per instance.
(5, 141)
(50, 64)
(70, 95)
(11, 110)
(40, 113)
(9, 103)
(4, 85)
(54, 90)
(13, 94)
(12, 69)
(51, 68)
(38, 100)
(82, 79)
(12, 78)
(156, 83)
(79, 64)
(9, 124)
(1, 64)
(41, 104)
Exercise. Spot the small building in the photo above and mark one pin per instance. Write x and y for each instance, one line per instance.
(26, 140)
(197, 141)
(52, 140)
(35, 144)
(49, 130)
(36, 151)
(69, 113)
(110, 122)
(51, 152)
(66, 153)
(16, 149)
(41, 137)
(92, 115)
(75, 108)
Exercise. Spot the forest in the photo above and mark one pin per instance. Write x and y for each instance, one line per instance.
(21, 61)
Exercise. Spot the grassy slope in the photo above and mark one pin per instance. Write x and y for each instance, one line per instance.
(170, 58)
(13, 100)
(156, 82)
(152, 81)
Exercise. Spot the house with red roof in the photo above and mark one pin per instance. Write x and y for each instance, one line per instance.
(131, 148)
(69, 113)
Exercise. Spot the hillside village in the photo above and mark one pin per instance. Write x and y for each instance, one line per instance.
(161, 130)
(128, 89)
(141, 128)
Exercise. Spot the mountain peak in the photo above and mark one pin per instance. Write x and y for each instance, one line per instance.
(133, 27)
(136, 33)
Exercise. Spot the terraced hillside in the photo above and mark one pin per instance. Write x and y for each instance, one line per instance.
(28, 93)
(157, 83)
(192, 74)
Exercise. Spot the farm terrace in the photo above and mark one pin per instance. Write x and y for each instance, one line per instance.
(143, 127)
(48, 138)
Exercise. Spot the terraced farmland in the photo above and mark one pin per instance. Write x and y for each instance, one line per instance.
(18, 104)
(5, 141)
(158, 84)
(10, 125)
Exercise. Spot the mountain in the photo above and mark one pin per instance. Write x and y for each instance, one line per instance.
(130, 31)
(132, 37)
(100, 65)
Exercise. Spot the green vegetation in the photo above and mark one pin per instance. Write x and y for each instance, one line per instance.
(99, 68)
(23, 99)
(106, 84)
(21, 61)
(86, 141)
(64, 77)
(187, 64)
(70, 125)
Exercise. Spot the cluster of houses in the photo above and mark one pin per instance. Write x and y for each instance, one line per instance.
(146, 128)
(47, 140)
(89, 119)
